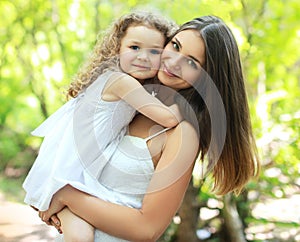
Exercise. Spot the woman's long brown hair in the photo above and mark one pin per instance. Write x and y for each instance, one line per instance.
(239, 161)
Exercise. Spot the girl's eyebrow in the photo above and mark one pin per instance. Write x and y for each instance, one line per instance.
(153, 45)
(190, 56)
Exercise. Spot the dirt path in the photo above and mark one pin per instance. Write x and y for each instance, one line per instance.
(20, 223)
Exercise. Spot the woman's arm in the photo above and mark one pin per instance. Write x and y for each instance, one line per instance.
(166, 191)
(131, 91)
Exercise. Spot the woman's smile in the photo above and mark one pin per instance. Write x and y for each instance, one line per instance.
(168, 71)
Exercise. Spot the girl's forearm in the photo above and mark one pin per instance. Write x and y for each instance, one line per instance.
(132, 92)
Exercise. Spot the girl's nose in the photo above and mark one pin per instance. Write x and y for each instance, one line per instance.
(142, 56)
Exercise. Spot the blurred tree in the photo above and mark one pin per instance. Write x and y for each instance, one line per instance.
(43, 43)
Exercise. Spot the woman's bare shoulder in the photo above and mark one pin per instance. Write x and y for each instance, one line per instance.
(182, 141)
(185, 131)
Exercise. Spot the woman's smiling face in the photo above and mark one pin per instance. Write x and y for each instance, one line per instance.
(182, 60)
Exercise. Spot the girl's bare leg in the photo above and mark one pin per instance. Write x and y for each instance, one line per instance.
(74, 228)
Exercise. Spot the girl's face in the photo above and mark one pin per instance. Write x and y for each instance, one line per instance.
(140, 51)
(182, 60)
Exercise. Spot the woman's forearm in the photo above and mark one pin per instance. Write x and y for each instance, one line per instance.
(161, 202)
(120, 221)
(145, 224)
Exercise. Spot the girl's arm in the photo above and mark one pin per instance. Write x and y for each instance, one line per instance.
(165, 194)
(123, 86)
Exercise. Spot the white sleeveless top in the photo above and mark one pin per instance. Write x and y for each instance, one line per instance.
(124, 179)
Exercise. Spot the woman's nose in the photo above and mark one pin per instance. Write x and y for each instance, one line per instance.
(174, 61)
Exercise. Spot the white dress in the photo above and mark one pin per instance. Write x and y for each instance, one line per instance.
(79, 139)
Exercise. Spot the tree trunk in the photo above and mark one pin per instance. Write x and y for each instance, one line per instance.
(232, 223)
(189, 213)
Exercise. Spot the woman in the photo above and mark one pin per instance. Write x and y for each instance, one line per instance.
(206, 43)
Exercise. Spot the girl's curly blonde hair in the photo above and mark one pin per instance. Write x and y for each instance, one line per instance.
(105, 53)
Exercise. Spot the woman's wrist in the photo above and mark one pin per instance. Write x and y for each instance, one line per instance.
(64, 194)
(61, 196)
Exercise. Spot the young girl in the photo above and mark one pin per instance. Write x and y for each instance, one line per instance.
(84, 133)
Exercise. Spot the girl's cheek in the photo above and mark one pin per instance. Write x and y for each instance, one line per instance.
(156, 63)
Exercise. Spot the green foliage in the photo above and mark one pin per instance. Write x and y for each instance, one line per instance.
(44, 43)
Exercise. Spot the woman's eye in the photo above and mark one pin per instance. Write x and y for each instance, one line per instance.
(134, 47)
(155, 51)
(192, 63)
(175, 45)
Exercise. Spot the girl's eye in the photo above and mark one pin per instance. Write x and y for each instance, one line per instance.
(134, 47)
(192, 63)
(175, 45)
(155, 51)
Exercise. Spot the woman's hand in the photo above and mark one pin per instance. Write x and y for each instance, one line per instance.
(54, 220)
(56, 206)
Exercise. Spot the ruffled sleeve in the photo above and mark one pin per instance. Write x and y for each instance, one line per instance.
(52, 121)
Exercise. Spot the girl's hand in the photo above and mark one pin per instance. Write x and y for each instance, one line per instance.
(176, 111)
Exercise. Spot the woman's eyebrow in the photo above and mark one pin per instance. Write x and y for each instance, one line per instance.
(195, 59)
(178, 42)
(190, 56)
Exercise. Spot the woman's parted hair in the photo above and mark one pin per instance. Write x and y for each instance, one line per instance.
(105, 54)
(238, 161)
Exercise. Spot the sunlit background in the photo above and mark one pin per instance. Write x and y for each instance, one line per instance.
(44, 43)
